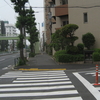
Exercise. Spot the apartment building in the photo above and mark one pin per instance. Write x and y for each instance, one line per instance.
(87, 16)
(84, 13)
(56, 16)
(11, 31)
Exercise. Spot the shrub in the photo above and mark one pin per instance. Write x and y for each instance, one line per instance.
(96, 56)
(80, 47)
(31, 54)
(72, 49)
(97, 50)
(88, 40)
(60, 52)
(69, 58)
(21, 62)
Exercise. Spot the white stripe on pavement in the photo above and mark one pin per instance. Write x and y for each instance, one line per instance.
(89, 86)
(35, 84)
(37, 88)
(41, 78)
(46, 80)
(2, 59)
(98, 88)
(12, 76)
(68, 98)
(98, 75)
(39, 93)
(35, 74)
(38, 72)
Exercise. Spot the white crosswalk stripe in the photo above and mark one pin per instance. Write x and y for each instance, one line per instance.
(93, 75)
(43, 85)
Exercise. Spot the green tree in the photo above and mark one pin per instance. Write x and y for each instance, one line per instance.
(31, 29)
(68, 31)
(20, 24)
(88, 40)
(58, 41)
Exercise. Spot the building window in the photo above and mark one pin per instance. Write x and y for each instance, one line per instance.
(65, 23)
(64, 2)
(85, 15)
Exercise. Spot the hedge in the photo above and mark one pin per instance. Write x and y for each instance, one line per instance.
(96, 56)
(65, 58)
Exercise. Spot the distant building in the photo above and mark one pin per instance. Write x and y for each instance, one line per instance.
(11, 31)
(3, 43)
(2, 28)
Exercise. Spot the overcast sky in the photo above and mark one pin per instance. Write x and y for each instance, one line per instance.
(7, 12)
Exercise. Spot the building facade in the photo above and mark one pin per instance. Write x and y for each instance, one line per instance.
(3, 43)
(10, 32)
(84, 13)
(87, 17)
(56, 16)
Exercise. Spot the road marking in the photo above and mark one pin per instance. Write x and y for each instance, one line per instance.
(34, 74)
(64, 92)
(7, 67)
(89, 86)
(68, 98)
(48, 80)
(37, 88)
(98, 88)
(2, 59)
(31, 75)
(34, 84)
(42, 78)
(43, 85)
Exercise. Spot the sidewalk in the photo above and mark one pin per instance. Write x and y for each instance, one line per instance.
(44, 61)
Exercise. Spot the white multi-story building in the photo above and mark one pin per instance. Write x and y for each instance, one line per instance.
(10, 32)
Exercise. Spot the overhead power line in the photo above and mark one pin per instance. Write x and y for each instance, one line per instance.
(8, 4)
(84, 7)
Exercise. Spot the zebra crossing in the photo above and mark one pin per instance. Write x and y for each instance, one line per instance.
(88, 80)
(93, 74)
(40, 85)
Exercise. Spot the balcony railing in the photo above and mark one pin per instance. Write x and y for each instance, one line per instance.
(61, 10)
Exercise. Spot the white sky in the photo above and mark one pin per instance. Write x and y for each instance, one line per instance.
(7, 12)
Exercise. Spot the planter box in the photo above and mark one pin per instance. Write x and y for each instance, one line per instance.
(96, 62)
(78, 62)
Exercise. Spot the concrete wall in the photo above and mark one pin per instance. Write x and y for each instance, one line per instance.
(76, 17)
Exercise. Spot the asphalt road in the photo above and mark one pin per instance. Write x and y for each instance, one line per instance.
(49, 85)
(7, 60)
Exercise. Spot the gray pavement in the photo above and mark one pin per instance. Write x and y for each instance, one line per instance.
(45, 61)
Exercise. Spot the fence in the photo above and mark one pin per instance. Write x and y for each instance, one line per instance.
(16, 61)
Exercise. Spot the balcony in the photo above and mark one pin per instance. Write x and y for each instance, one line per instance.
(61, 10)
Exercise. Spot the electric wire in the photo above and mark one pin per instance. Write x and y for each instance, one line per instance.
(8, 4)
(84, 7)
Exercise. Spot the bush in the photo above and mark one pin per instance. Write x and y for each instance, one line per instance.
(21, 62)
(72, 50)
(97, 50)
(69, 58)
(96, 56)
(88, 40)
(80, 47)
(60, 52)
(31, 54)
